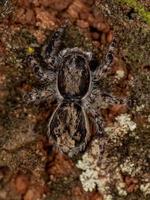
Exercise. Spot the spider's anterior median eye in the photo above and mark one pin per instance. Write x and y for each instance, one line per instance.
(79, 61)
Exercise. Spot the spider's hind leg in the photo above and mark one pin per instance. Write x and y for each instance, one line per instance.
(99, 125)
(96, 116)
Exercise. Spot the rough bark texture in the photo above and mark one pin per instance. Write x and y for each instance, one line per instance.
(30, 169)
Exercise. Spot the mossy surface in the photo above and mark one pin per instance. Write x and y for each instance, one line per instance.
(138, 8)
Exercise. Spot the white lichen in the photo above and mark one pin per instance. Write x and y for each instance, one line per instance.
(140, 108)
(128, 166)
(125, 121)
(102, 172)
(88, 164)
(119, 74)
(145, 188)
(122, 126)
(120, 185)
(93, 176)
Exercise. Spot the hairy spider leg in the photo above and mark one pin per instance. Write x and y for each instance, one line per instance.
(53, 46)
(36, 96)
(103, 68)
(108, 98)
(87, 104)
(100, 133)
(111, 99)
(47, 56)
(41, 74)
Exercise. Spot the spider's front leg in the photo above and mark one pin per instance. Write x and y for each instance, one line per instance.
(104, 67)
(41, 73)
(51, 50)
(44, 61)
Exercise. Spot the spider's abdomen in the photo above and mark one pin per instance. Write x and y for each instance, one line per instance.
(74, 77)
(69, 128)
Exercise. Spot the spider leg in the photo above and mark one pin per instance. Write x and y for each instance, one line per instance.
(103, 68)
(47, 56)
(53, 46)
(111, 99)
(95, 115)
(41, 74)
(100, 133)
(36, 96)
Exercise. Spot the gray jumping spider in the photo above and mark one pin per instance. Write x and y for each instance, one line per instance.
(71, 76)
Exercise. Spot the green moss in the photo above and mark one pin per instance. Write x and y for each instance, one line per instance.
(139, 8)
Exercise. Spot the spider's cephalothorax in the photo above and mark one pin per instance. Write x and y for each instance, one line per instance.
(71, 80)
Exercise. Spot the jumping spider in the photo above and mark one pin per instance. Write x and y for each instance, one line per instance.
(71, 77)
